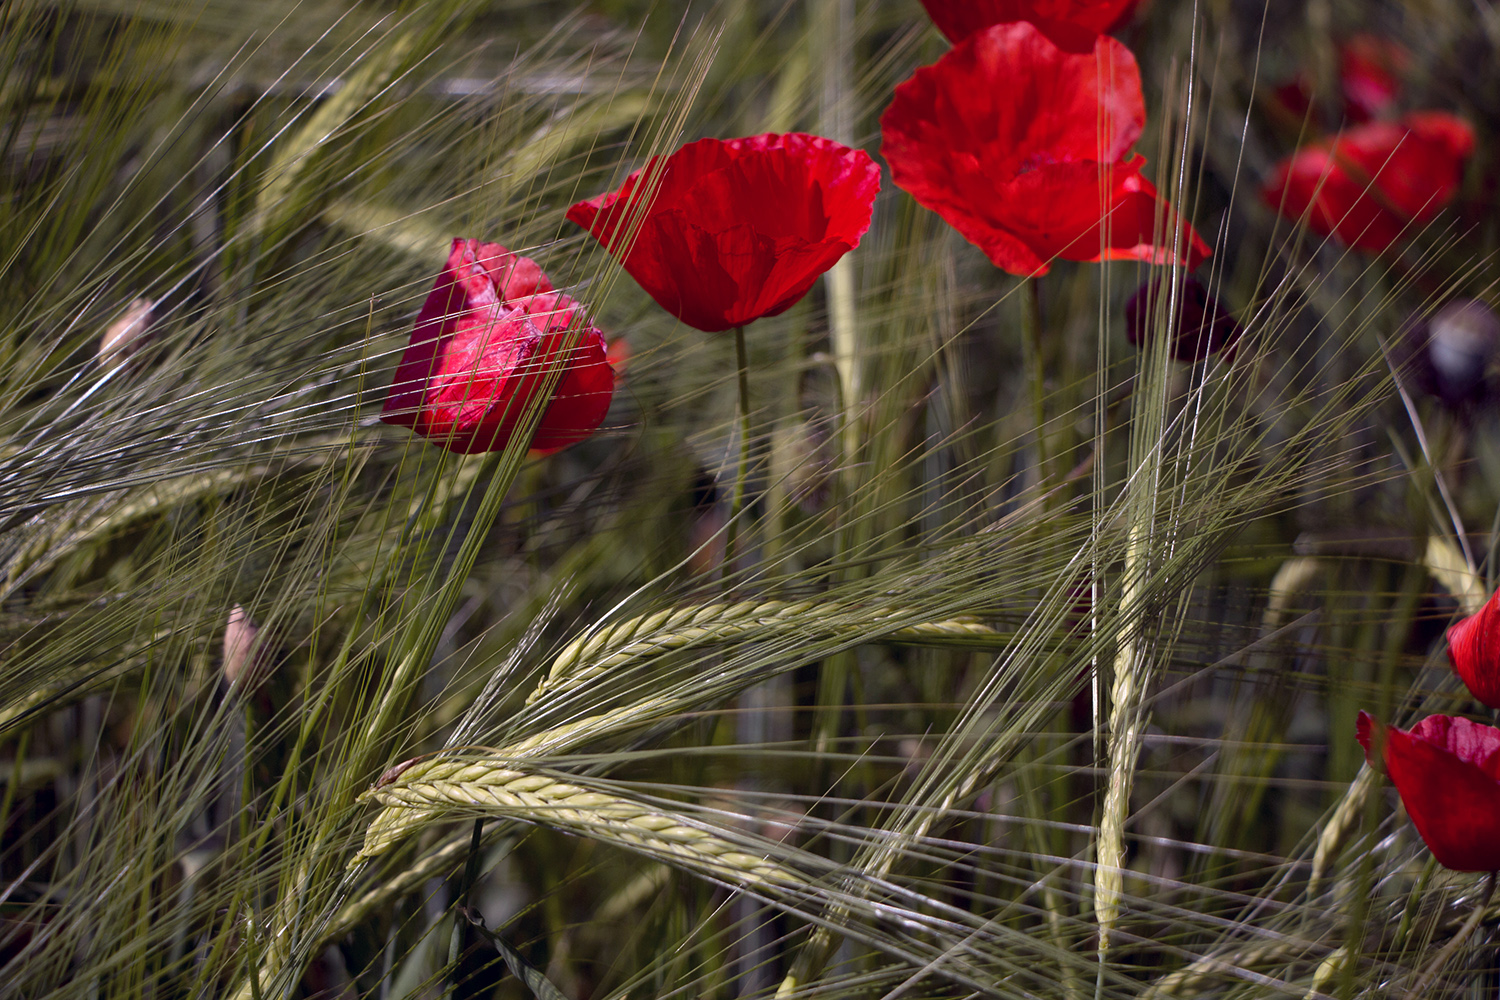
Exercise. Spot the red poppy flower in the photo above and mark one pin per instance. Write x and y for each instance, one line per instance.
(487, 336)
(1369, 184)
(1201, 325)
(1474, 650)
(1020, 139)
(1370, 76)
(1370, 72)
(958, 19)
(1447, 770)
(736, 229)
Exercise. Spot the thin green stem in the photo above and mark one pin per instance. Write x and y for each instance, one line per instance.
(1036, 376)
(737, 502)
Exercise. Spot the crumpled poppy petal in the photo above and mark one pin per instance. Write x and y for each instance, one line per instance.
(721, 233)
(1447, 771)
(485, 339)
(958, 19)
(1023, 147)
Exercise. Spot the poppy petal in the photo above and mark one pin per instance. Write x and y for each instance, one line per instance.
(1447, 771)
(958, 19)
(1375, 183)
(1474, 651)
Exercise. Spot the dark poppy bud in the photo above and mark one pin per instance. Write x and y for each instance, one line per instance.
(1200, 325)
(1447, 770)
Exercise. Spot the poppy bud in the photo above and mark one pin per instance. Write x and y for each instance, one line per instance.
(1200, 325)
(1447, 771)
(240, 652)
(1474, 651)
(126, 334)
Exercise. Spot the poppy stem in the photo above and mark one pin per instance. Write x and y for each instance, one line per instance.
(1031, 346)
(1436, 965)
(737, 502)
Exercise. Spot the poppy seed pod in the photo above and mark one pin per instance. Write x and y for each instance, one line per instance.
(1447, 771)
(1200, 325)
(1020, 136)
(484, 342)
(721, 233)
(958, 19)
(1474, 651)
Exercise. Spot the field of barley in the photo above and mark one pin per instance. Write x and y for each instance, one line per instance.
(714, 499)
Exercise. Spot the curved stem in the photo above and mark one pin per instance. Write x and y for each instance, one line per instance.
(737, 502)
(1436, 965)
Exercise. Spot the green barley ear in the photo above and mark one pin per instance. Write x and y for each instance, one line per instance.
(639, 639)
(432, 791)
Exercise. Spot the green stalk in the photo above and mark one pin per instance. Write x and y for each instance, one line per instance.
(737, 503)
(1035, 370)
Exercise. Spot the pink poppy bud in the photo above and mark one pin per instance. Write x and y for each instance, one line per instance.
(124, 336)
(240, 652)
